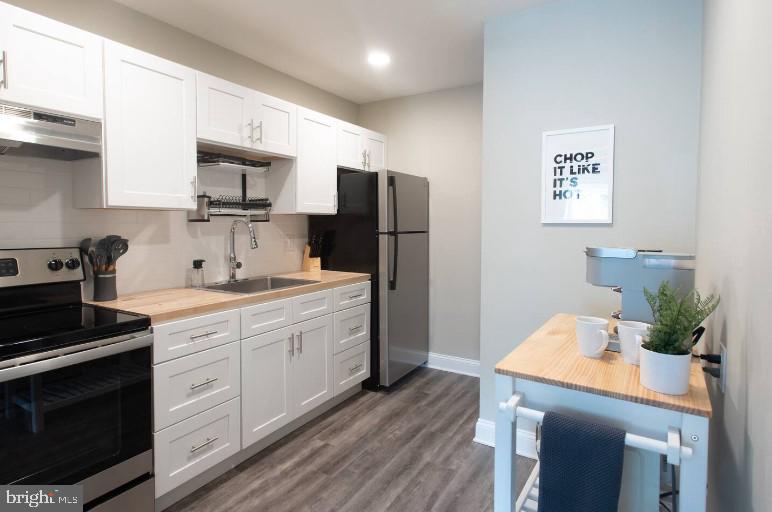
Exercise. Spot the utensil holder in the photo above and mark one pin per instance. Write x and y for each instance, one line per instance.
(104, 286)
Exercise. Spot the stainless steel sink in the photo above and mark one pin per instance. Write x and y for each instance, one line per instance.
(258, 284)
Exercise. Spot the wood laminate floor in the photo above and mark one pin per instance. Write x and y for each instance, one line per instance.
(406, 449)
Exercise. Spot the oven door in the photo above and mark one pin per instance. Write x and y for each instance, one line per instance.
(74, 415)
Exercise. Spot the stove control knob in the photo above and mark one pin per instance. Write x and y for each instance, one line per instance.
(72, 263)
(55, 264)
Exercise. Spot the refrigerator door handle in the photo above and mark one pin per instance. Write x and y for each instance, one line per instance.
(393, 275)
(392, 184)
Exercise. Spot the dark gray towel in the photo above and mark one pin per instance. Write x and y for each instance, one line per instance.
(581, 465)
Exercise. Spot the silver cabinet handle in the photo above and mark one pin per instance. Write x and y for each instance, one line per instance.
(354, 329)
(364, 159)
(194, 183)
(251, 125)
(357, 296)
(259, 127)
(368, 159)
(292, 345)
(202, 335)
(204, 383)
(300, 342)
(4, 62)
(209, 440)
(354, 369)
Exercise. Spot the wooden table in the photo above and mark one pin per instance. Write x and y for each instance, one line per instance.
(547, 372)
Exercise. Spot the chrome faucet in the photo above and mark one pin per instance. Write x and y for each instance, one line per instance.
(232, 263)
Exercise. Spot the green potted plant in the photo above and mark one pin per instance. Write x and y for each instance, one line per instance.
(667, 350)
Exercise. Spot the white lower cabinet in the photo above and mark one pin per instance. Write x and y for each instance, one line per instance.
(265, 384)
(312, 364)
(192, 446)
(189, 385)
(285, 373)
(352, 366)
(223, 381)
(352, 327)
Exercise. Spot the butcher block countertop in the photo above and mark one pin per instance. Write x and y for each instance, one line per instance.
(174, 303)
(551, 355)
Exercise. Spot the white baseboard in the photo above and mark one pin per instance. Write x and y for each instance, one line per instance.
(485, 433)
(454, 364)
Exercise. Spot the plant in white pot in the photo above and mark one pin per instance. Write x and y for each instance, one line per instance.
(667, 351)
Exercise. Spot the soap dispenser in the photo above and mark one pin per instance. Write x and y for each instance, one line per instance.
(197, 275)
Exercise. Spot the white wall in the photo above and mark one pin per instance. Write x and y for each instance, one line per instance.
(569, 64)
(734, 243)
(36, 211)
(120, 23)
(438, 135)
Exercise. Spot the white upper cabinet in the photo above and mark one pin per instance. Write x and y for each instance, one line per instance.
(351, 146)
(309, 184)
(150, 131)
(375, 151)
(275, 128)
(236, 116)
(49, 65)
(225, 111)
(317, 172)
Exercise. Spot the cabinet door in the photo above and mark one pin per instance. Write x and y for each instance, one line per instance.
(49, 65)
(312, 367)
(266, 398)
(351, 146)
(275, 130)
(150, 130)
(375, 145)
(316, 176)
(225, 111)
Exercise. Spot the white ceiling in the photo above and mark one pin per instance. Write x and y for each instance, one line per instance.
(434, 44)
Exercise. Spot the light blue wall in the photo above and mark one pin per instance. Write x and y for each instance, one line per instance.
(734, 243)
(569, 64)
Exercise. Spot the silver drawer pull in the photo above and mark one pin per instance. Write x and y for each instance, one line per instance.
(203, 335)
(355, 369)
(357, 296)
(204, 383)
(354, 329)
(194, 449)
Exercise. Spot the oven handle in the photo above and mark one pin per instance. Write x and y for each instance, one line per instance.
(54, 359)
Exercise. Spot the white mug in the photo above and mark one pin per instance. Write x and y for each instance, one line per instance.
(592, 335)
(630, 337)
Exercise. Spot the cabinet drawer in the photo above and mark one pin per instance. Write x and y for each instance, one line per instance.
(351, 367)
(352, 295)
(192, 384)
(266, 317)
(311, 305)
(190, 447)
(184, 337)
(351, 327)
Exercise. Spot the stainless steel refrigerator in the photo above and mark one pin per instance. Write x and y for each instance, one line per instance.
(382, 228)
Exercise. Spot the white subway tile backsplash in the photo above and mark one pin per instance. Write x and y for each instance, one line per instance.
(36, 210)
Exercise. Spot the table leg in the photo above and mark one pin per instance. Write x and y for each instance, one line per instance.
(505, 462)
(693, 481)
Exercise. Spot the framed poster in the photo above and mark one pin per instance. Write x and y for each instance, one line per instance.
(577, 175)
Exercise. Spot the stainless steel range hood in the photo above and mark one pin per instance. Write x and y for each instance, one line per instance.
(32, 133)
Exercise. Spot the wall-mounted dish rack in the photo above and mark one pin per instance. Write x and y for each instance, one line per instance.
(257, 208)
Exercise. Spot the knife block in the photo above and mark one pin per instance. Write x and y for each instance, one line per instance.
(311, 264)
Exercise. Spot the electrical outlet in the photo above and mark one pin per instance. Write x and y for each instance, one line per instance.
(724, 367)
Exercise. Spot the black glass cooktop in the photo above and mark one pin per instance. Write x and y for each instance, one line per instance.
(39, 330)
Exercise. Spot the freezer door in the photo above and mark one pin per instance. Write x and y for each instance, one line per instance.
(404, 341)
(407, 202)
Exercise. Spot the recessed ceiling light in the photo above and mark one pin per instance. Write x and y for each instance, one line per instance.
(378, 59)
